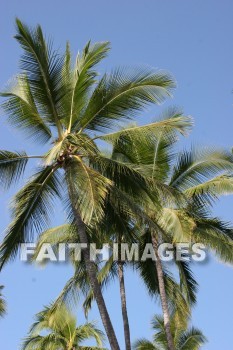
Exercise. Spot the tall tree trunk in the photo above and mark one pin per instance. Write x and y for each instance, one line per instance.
(163, 296)
(92, 274)
(123, 305)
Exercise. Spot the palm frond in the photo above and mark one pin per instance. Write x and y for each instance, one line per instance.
(217, 236)
(83, 78)
(48, 342)
(209, 191)
(89, 189)
(43, 67)
(188, 284)
(31, 209)
(192, 339)
(60, 234)
(195, 167)
(121, 94)
(61, 331)
(22, 111)
(175, 123)
(125, 175)
(12, 166)
(144, 344)
(177, 224)
(89, 330)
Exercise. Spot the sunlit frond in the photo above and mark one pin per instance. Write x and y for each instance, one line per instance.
(89, 189)
(121, 94)
(177, 123)
(143, 344)
(62, 331)
(82, 79)
(209, 191)
(177, 224)
(195, 167)
(22, 111)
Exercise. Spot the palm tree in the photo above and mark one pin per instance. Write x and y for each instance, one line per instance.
(184, 339)
(65, 234)
(108, 271)
(2, 304)
(180, 219)
(67, 108)
(114, 228)
(60, 332)
(189, 183)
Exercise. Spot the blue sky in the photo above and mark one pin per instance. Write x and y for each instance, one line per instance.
(192, 40)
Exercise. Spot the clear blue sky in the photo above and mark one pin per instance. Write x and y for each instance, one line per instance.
(191, 39)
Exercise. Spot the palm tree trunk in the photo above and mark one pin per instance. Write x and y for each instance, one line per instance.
(92, 274)
(123, 305)
(163, 296)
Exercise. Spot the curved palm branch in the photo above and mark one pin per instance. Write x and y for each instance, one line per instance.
(185, 339)
(82, 79)
(12, 166)
(121, 94)
(43, 68)
(22, 110)
(63, 332)
(195, 167)
(31, 208)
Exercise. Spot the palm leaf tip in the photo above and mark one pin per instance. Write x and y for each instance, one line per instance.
(22, 111)
(43, 67)
(12, 166)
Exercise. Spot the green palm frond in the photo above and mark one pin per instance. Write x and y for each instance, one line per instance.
(209, 191)
(192, 339)
(82, 79)
(89, 189)
(43, 68)
(48, 342)
(22, 110)
(12, 166)
(188, 284)
(61, 331)
(89, 330)
(60, 234)
(133, 180)
(143, 344)
(177, 224)
(72, 290)
(159, 338)
(195, 167)
(154, 150)
(184, 339)
(120, 95)
(217, 236)
(32, 207)
(177, 123)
